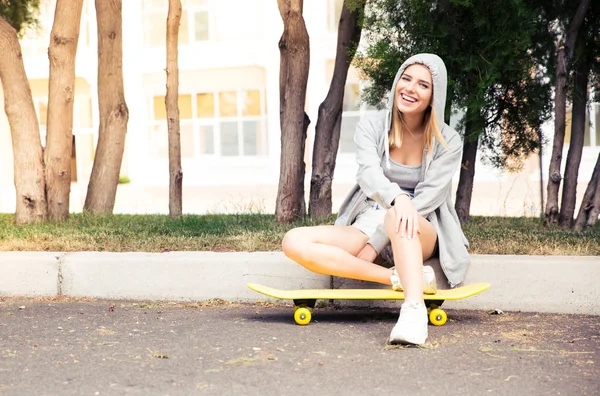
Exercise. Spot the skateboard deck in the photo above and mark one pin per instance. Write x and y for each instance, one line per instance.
(305, 299)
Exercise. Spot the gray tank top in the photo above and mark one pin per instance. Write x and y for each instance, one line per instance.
(406, 176)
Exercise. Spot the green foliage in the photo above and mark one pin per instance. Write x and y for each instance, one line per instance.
(497, 53)
(20, 14)
(591, 35)
(355, 4)
(124, 180)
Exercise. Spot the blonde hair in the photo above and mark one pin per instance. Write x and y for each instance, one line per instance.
(432, 129)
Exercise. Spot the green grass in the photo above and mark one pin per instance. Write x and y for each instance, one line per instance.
(526, 235)
(256, 232)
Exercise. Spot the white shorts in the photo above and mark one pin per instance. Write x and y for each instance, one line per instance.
(368, 220)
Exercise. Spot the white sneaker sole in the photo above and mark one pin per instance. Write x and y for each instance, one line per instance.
(400, 339)
(427, 288)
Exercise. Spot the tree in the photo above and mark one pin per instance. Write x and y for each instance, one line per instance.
(114, 114)
(590, 205)
(466, 179)
(580, 97)
(589, 210)
(171, 99)
(492, 51)
(293, 77)
(61, 93)
(586, 64)
(327, 131)
(18, 104)
(565, 50)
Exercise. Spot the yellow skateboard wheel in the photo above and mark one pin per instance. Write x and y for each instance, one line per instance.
(438, 317)
(302, 316)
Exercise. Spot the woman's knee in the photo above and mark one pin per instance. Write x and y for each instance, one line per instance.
(390, 228)
(389, 221)
(294, 242)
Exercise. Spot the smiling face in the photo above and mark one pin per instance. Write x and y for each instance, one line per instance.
(414, 90)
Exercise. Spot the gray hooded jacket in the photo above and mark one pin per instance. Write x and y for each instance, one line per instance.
(432, 195)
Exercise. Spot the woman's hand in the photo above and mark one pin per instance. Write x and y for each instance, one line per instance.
(407, 217)
(368, 253)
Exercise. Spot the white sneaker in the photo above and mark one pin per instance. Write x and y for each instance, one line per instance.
(429, 281)
(411, 327)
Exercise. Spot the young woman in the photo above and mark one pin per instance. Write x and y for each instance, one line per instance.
(402, 201)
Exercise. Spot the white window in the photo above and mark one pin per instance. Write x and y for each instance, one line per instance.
(82, 115)
(201, 24)
(592, 127)
(225, 124)
(334, 11)
(195, 25)
(84, 28)
(35, 41)
(41, 110)
(596, 124)
(352, 112)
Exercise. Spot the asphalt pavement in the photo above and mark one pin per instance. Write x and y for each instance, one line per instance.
(67, 346)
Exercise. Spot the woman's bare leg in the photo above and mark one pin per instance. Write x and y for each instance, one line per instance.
(409, 255)
(332, 250)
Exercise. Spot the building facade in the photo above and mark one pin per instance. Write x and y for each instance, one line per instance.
(229, 110)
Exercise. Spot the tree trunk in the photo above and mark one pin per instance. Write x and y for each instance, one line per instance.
(540, 158)
(171, 102)
(293, 77)
(114, 114)
(327, 132)
(565, 54)
(569, 193)
(590, 205)
(25, 133)
(61, 93)
(467, 174)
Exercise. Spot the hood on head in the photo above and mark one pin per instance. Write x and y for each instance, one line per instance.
(439, 75)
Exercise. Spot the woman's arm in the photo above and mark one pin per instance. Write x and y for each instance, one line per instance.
(429, 194)
(432, 191)
(370, 176)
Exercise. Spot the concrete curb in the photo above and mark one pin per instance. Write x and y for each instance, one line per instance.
(560, 284)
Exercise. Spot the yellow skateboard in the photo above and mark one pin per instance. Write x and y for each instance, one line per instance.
(304, 300)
